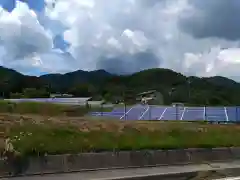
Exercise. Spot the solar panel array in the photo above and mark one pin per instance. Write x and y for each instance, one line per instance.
(141, 112)
(145, 112)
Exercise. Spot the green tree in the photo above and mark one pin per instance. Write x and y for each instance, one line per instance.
(16, 95)
(108, 97)
(35, 93)
(81, 90)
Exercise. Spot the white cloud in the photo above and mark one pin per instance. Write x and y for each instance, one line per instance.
(218, 61)
(21, 34)
(121, 31)
(98, 29)
(59, 62)
(26, 45)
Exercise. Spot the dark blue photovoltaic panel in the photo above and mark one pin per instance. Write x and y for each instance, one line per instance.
(213, 114)
(216, 114)
(194, 114)
(233, 113)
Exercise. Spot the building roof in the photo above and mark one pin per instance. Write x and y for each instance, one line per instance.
(60, 95)
(84, 98)
(73, 99)
(147, 92)
(148, 99)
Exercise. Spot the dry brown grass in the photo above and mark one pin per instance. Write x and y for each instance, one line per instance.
(110, 125)
(87, 134)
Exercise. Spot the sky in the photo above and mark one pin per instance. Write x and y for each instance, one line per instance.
(194, 37)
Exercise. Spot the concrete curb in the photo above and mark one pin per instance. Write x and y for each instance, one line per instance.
(109, 160)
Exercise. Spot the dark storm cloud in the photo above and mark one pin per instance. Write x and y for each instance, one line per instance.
(25, 50)
(127, 64)
(150, 3)
(21, 49)
(59, 42)
(212, 18)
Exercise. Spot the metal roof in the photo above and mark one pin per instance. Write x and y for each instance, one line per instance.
(147, 92)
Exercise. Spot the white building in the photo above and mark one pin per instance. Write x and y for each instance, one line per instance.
(151, 97)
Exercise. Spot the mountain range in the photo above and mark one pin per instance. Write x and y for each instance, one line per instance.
(194, 90)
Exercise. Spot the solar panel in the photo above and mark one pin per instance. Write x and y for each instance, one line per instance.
(211, 114)
(194, 113)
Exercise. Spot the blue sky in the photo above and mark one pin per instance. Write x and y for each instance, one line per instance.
(37, 5)
(121, 36)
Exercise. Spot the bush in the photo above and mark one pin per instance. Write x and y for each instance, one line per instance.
(32, 139)
(38, 108)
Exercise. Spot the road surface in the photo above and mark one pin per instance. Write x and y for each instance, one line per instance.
(205, 171)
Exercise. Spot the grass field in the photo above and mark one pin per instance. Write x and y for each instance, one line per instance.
(34, 135)
(39, 128)
(46, 109)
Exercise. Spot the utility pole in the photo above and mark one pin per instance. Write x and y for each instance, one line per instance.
(170, 93)
(128, 98)
(189, 90)
(124, 101)
(236, 114)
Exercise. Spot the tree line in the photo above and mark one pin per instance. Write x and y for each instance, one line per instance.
(174, 86)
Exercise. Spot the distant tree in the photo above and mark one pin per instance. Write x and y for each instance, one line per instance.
(199, 99)
(35, 93)
(81, 90)
(16, 95)
(129, 96)
(210, 91)
(216, 101)
(108, 97)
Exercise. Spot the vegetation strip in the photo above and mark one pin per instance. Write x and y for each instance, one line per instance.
(97, 136)
(46, 109)
(57, 131)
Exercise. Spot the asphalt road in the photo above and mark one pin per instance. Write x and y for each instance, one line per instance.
(212, 171)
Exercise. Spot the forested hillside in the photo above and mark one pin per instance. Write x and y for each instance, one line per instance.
(174, 86)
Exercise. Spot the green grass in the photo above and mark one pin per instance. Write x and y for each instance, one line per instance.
(46, 109)
(31, 139)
